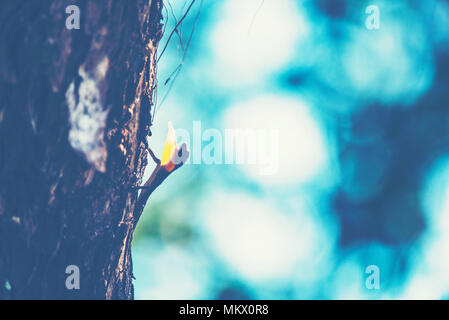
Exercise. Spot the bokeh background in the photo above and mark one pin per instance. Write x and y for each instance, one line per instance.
(364, 153)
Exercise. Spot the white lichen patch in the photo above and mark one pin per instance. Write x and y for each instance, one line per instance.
(102, 69)
(88, 117)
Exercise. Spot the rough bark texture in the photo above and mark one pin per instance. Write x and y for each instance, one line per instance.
(66, 195)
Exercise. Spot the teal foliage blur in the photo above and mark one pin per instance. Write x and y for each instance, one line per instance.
(363, 175)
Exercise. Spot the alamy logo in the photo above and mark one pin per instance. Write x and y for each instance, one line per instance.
(373, 280)
(249, 146)
(73, 20)
(373, 20)
(72, 282)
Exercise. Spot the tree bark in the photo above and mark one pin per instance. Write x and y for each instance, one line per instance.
(75, 113)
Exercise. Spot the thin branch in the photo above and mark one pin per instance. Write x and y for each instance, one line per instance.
(176, 72)
(178, 31)
(175, 28)
(255, 15)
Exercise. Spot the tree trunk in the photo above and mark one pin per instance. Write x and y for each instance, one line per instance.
(75, 112)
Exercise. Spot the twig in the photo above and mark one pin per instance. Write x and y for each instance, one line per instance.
(172, 77)
(178, 32)
(175, 28)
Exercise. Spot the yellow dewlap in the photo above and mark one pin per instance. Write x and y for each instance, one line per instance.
(170, 145)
